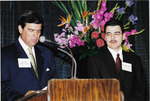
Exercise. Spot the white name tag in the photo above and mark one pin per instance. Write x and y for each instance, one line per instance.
(24, 63)
(126, 67)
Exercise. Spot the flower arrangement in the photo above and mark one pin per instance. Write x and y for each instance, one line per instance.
(85, 29)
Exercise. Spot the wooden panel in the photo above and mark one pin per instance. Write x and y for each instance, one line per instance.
(84, 90)
(40, 97)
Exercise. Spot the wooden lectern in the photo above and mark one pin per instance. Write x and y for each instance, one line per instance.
(84, 90)
(78, 90)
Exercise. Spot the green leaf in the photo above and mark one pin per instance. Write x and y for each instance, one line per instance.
(58, 5)
(64, 7)
(125, 48)
(131, 50)
(76, 11)
(62, 62)
(88, 53)
(83, 55)
(80, 6)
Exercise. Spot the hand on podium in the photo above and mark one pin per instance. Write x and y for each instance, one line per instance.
(29, 92)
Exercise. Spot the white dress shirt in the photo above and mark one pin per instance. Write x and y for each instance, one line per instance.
(24, 46)
(114, 54)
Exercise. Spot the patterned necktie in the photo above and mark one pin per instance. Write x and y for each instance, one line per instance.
(32, 60)
(118, 63)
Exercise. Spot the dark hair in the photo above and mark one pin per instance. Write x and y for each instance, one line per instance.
(114, 22)
(30, 17)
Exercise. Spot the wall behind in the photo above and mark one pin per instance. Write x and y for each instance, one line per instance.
(11, 10)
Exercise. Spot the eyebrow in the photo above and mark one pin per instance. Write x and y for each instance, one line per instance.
(34, 29)
(107, 32)
(114, 32)
(117, 32)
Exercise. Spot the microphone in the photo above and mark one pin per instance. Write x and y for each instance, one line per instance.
(42, 39)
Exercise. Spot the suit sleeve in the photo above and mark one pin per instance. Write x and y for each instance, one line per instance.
(139, 93)
(8, 93)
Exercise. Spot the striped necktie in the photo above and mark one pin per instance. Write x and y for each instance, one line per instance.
(32, 60)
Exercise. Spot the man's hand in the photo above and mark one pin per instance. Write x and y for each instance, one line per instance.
(29, 92)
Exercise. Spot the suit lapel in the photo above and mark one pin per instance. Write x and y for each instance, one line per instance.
(109, 63)
(123, 74)
(21, 54)
(40, 61)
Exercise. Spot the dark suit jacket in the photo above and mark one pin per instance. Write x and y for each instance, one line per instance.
(102, 65)
(17, 81)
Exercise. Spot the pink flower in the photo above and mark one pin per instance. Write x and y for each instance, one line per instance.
(100, 42)
(128, 33)
(94, 34)
(101, 12)
(62, 34)
(75, 40)
(102, 28)
(103, 35)
(95, 24)
(64, 30)
(104, 9)
(103, 22)
(79, 27)
(133, 31)
(98, 17)
(108, 16)
(103, 4)
(128, 45)
(55, 35)
(67, 26)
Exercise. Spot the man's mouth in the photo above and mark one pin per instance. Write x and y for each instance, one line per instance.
(113, 41)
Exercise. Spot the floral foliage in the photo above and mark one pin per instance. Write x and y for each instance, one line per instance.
(88, 34)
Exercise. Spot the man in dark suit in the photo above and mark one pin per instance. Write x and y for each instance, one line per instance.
(130, 73)
(21, 75)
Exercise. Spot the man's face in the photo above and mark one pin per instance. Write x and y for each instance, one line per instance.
(31, 33)
(114, 37)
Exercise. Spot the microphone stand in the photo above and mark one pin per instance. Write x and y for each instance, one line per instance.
(43, 39)
(74, 63)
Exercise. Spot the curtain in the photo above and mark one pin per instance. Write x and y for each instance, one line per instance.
(11, 10)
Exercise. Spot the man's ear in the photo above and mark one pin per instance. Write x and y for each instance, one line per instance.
(20, 29)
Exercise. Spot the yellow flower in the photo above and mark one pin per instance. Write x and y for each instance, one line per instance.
(84, 14)
(64, 21)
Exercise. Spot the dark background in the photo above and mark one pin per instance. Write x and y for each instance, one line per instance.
(11, 10)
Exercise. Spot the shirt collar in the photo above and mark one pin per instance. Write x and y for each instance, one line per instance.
(114, 54)
(24, 46)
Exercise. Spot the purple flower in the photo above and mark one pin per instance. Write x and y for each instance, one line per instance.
(98, 17)
(79, 26)
(103, 22)
(75, 40)
(101, 12)
(62, 34)
(128, 45)
(103, 4)
(133, 18)
(120, 10)
(129, 3)
(95, 24)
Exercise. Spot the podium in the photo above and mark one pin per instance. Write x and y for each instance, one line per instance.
(81, 90)
(84, 90)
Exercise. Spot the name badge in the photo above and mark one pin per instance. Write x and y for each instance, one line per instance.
(24, 63)
(126, 66)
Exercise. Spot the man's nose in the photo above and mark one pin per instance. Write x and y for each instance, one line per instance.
(35, 34)
(112, 36)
